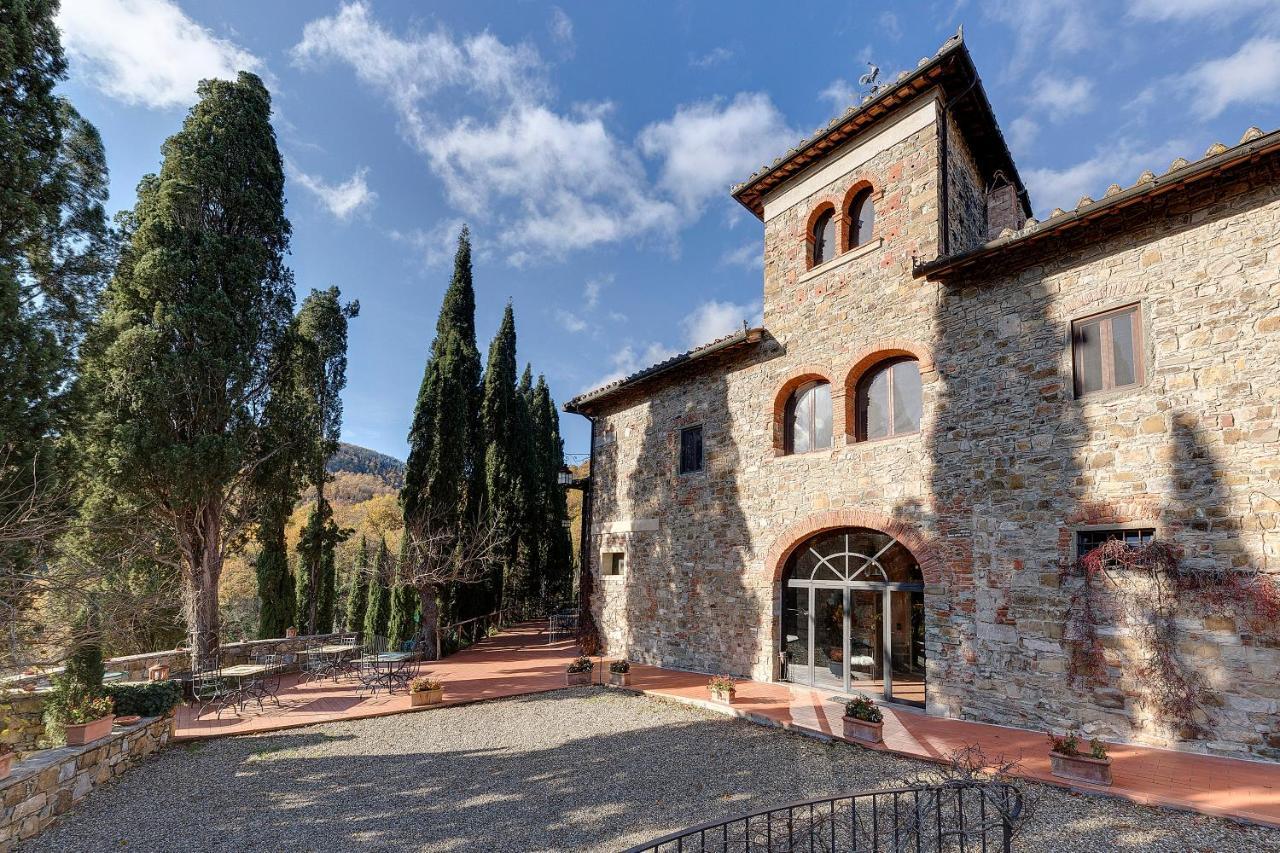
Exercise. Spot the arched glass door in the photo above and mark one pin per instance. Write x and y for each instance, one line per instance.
(853, 616)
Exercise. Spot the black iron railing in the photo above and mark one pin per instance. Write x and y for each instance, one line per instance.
(966, 817)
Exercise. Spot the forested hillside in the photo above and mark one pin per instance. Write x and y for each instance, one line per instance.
(354, 459)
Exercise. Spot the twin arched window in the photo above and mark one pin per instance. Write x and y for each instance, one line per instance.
(808, 418)
(859, 218)
(888, 400)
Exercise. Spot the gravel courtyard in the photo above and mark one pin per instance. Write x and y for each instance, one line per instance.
(582, 769)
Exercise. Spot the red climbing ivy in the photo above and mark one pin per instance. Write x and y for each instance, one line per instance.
(1144, 590)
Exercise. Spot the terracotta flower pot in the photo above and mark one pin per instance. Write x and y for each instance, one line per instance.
(290, 633)
(861, 730)
(620, 679)
(577, 679)
(158, 672)
(128, 720)
(724, 697)
(6, 764)
(1081, 768)
(426, 697)
(79, 735)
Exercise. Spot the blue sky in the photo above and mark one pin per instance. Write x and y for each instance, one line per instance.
(590, 145)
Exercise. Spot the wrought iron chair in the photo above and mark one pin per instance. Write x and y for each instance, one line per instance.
(267, 685)
(370, 669)
(315, 665)
(210, 689)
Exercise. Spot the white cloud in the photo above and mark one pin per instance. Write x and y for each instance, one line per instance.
(146, 52)
(1046, 27)
(889, 24)
(1185, 10)
(705, 146)
(710, 59)
(712, 320)
(1060, 97)
(439, 243)
(1251, 75)
(748, 256)
(1119, 163)
(342, 200)
(562, 28)
(591, 290)
(841, 93)
(628, 360)
(1023, 131)
(571, 322)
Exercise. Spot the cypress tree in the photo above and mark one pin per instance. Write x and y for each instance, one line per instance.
(317, 545)
(358, 590)
(403, 623)
(378, 610)
(500, 419)
(557, 558)
(441, 475)
(179, 365)
(530, 548)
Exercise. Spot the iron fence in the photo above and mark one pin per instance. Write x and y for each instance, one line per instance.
(955, 817)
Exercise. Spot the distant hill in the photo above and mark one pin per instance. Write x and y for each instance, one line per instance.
(353, 459)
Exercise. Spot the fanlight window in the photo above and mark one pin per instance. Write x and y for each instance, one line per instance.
(824, 237)
(854, 555)
(888, 400)
(808, 418)
(862, 215)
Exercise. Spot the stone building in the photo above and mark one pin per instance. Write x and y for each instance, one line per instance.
(946, 404)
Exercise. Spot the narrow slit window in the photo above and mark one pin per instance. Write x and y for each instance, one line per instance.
(690, 450)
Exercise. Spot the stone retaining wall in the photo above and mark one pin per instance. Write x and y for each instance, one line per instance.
(47, 784)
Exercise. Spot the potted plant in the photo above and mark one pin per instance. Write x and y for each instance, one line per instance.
(620, 673)
(722, 689)
(1068, 762)
(863, 720)
(6, 759)
(426, 691)
(158, 672)
(86, 716)
(579, 672)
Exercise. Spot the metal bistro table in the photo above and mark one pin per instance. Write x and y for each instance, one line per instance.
(240, 672)
(337, 651)
(394, 662)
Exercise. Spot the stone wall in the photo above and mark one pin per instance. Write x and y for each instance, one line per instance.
(48, 783)
(1008, 464)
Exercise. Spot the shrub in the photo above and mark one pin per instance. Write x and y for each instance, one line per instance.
(425, 685)
(1097, 749)
(152, 699)
(582, 664)
(720, 682)
(862, 708)
(1068, 744)
(75, 707)
(620, 666)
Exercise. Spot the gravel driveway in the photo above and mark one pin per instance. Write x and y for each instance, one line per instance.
(582, 769)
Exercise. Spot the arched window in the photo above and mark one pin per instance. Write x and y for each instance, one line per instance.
(808, 418)
(862, 216)
(888, 400)
(824, 237)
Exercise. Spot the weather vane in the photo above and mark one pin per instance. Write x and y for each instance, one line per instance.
(869, 80)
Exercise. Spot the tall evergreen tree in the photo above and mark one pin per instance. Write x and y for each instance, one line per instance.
(403, 624)
(55, 254)
(179, 366)
(322, 371)
(523, 581)
(501, 414)
(358, 589)
(378, 610)
(441, 475)
(556, 558)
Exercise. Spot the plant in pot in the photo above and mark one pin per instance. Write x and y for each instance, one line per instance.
(620, 673)
(722, 689)
(863, 720)
(1068, 762)
(579, 672)
(426, 691)
(85, 715)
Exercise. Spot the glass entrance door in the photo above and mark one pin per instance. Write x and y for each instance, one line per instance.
(829, 643)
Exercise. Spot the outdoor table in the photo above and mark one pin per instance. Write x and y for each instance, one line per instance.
(240, 672)
(393, 660)
(336, 649)
(113, 676)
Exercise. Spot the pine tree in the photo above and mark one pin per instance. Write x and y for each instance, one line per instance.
(500, 420)
(441, 476)
(179, 366)
(378, 610)
(358, 589)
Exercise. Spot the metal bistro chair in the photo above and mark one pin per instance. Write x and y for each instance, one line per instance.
(209, 689)
(267, 685)
(348, 662)
(369, 669)
(315, 664)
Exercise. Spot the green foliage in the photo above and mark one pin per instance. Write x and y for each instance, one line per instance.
(73, 707)
(504, 422)
(151, 699)
(180, 363)
(275, 582)
(403, 624)
(581, 664)
(362, 460)
(358, 589)
(378, 610)
(862, 708)
(316, 545)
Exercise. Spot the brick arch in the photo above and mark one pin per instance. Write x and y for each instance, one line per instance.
(786, 542)
(792, 380)
(817, 211)
(845, 222)
(874, 353)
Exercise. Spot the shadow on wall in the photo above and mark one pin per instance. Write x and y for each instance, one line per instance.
(686, 601)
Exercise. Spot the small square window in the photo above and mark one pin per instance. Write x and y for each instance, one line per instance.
(1106, 351)
(1087, 540)
(690, 449)
(614, 564)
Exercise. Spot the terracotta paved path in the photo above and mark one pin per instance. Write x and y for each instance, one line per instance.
(520, 661)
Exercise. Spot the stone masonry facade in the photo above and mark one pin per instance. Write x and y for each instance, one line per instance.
(1008, 464)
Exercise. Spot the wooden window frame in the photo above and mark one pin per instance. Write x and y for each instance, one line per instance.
(609, 560)
(702, 450)
(788, 423)
(860, 400)
(1102, 318)
(862, 196)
